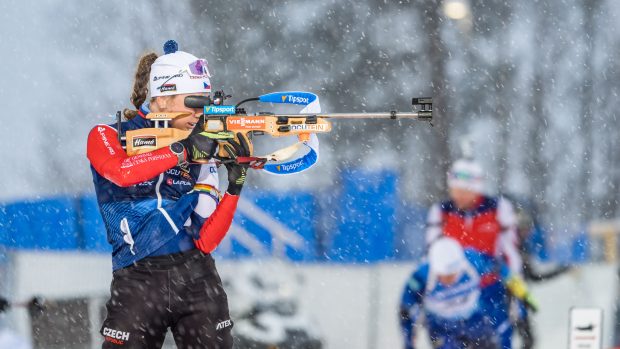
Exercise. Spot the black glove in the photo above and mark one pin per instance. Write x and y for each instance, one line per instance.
(201, 145)
(4, 304)
(236, 172)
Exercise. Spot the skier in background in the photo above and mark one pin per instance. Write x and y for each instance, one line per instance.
(164, 214)
(450, 289)
(483, 223)
(526, 225)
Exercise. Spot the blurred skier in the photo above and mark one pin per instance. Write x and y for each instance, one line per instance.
(480, 222)
(450, 289)
(526, 225)
(164, 215)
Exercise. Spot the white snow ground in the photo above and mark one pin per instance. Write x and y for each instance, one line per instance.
(354, 306)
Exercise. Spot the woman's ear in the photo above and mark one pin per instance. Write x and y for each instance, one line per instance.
(161, 103)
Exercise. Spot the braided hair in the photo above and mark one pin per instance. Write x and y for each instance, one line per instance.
(140, 84)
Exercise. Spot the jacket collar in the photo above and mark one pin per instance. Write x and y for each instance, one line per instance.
(141, 121)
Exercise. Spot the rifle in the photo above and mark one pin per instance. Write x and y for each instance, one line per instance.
(233, 118)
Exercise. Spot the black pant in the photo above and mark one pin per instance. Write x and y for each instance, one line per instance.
(181, 291)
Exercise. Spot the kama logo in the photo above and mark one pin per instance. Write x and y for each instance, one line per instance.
(115, 335)
(168, 87)
(222, 325)
(290, 167)
(220, 109)
(145, 141)
(295, 99)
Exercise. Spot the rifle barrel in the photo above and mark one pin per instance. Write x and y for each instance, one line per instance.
(422, 115)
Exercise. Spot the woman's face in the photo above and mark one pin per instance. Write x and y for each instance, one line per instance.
(463, 198)
(176, 104)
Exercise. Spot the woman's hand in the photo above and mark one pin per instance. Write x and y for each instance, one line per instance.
(237, 172)
(200, 146)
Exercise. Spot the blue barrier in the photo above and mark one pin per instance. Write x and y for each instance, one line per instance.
(366, 217)
(410, 234)
(93, 236)
(282, 224)
(363, 221)
(42, 224)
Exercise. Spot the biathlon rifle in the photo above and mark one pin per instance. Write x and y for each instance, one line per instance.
(219, 117)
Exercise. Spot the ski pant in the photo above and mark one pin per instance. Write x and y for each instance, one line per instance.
(523, 325)
(474, 333)
(495, 303)
(181, 291)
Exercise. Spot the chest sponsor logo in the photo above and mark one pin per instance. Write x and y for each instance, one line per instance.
(183, 172)
(172, 182)
(144, 141)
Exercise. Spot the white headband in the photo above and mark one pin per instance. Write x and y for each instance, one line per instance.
(466, 174)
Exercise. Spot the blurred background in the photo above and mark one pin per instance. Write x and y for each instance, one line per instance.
(533, 85)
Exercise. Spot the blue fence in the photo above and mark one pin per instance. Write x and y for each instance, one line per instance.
(363, 222)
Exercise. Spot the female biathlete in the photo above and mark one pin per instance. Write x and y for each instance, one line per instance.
(164, 214)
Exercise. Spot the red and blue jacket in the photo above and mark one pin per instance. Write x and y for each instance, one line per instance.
(466, 309)
(489, 227)
(149, 204)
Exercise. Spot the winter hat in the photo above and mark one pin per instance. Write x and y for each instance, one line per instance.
(446, 256)
(177, 72)
(466, 174)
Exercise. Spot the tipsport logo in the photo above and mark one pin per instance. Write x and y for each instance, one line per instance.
(290, 167)
(220, 110)
(293, 99)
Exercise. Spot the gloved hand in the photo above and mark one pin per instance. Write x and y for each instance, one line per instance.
(518, 288)
(239, 146)
(236, 177)
(530, 302)
(236, 172)
(4, 304)
(201, 145)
